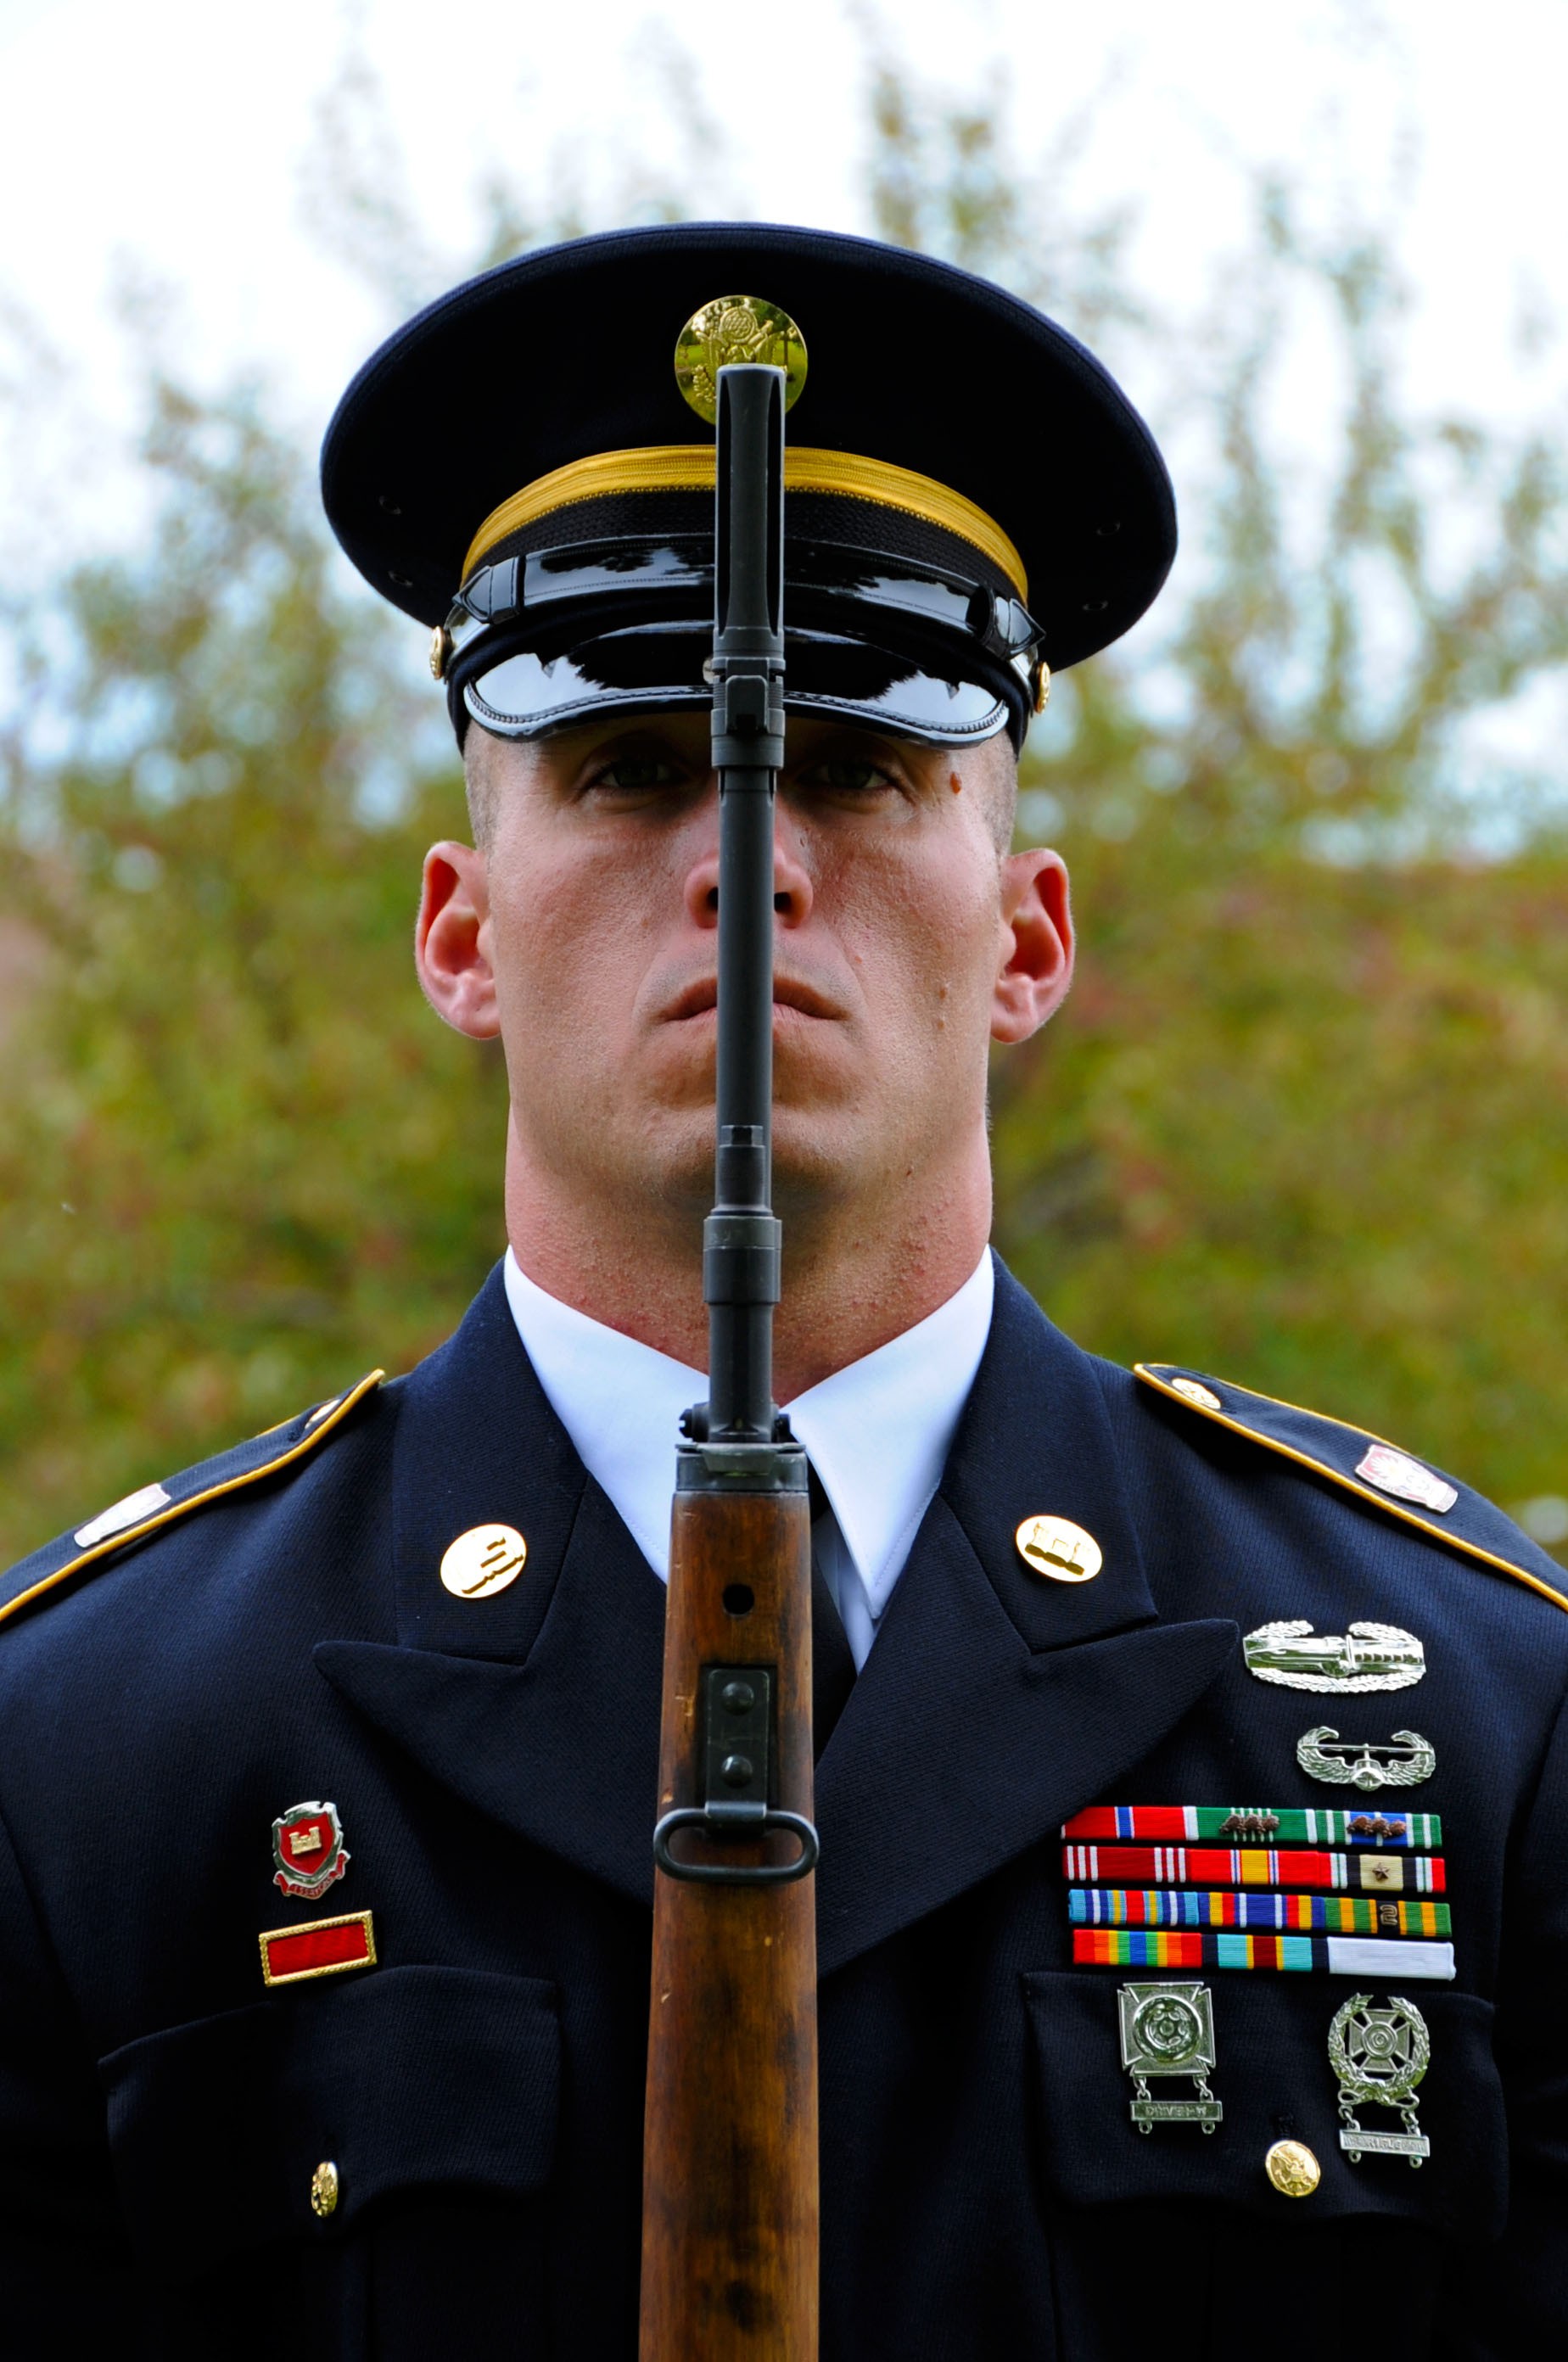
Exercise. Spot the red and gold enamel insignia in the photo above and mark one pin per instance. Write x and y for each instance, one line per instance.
(307, 1846)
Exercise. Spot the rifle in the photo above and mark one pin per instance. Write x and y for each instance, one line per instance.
(730, 2149)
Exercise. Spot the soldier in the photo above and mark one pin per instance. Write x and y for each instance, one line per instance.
(328, 1775)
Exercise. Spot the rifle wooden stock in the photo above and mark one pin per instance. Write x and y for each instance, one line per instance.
(729, 2155)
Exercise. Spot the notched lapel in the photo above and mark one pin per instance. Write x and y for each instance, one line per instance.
(961, 1746)
(995, 1703)
(538, 1706)
(563, 1749)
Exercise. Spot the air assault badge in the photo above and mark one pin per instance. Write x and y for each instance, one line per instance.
(1402, 1762)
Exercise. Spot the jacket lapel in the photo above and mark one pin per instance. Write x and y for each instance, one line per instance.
(539, 1706)
(995, 1703)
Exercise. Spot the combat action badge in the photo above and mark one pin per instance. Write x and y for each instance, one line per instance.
(307, 1846)
(1380, 2056)
(1168, 2030)
(1366, 1657)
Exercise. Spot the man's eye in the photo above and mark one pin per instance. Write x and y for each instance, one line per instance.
(636, 774)
(845, 774)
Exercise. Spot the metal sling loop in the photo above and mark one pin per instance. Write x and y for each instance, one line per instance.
(740, 1823)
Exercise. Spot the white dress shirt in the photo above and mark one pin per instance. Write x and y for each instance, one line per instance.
(876, 1433)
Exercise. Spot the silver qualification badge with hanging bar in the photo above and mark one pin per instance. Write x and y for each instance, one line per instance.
(1380, 2056)
(1168, 2029)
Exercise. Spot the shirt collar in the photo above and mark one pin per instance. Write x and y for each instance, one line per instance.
(877, 1432)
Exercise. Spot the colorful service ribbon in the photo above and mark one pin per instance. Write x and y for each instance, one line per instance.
(1374, 1874)
(1341, 1914)
(1340, 1956)
(1188, 1824)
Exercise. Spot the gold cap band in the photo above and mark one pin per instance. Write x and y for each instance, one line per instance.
(688, 468)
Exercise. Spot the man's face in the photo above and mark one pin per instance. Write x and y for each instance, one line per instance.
(597, 901)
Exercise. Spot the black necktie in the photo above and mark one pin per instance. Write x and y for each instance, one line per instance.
(832, 1664)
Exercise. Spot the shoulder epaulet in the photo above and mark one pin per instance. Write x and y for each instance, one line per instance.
(156, 1505)
(1362, 1463)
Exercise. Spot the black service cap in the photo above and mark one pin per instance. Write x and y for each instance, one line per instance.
(971, 497)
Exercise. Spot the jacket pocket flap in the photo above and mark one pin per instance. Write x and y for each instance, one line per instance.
(410, 2078)
(1273, 2078)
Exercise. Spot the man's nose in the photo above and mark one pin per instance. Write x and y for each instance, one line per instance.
(791, 878)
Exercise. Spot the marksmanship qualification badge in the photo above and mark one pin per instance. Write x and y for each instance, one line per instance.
(1168, 2029)
(1379, 2057)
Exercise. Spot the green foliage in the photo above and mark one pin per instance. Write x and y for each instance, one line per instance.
(239, 1161)
(1303, 1123)
(1304, 1120)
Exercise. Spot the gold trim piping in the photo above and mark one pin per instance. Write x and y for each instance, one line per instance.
(365, 1919)
(198, 1500)
(1348, 1484)
(688, 468)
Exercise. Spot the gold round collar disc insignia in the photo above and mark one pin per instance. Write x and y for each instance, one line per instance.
(484, 1560)
(736, 328)
(1292, 2168)
(1058, 1549)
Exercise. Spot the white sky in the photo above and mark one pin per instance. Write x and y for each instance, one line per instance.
(177, 134)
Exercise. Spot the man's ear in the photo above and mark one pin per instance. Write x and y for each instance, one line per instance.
(1037, 966)
(451, 941)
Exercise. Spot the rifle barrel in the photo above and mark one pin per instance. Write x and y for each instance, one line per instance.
(730, 2208)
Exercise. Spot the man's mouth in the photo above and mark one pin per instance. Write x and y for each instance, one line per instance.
(701, 998)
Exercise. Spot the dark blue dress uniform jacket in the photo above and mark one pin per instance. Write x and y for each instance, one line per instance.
(281, 1635)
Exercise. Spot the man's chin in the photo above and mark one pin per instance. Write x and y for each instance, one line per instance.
(811, 1159)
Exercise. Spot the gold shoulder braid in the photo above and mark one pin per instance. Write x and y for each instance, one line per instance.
(1362, 1464)
(156, 1505)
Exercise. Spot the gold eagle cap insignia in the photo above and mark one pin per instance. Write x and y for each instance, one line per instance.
(734, 328)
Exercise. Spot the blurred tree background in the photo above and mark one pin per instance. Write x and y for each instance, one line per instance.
(1304, 1123)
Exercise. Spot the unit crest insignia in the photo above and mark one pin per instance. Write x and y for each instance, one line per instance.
(1366, 1657)
(1396, 1471)
(307, 1846)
